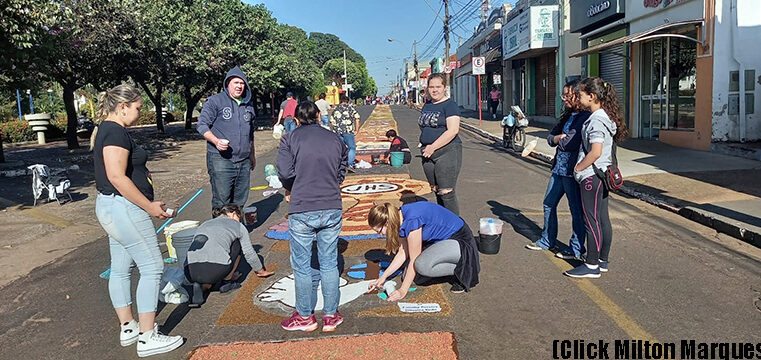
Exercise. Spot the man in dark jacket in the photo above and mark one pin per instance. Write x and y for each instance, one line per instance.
(226, 122)
(311, 164)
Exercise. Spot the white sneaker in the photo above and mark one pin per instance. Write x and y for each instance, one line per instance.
(128, 335)
(154, 343)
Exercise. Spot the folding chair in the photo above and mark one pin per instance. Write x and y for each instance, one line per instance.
(44, 182)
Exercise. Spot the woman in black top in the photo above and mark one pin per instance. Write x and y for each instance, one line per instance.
(398, 144)
(442, 148)
(124, 208)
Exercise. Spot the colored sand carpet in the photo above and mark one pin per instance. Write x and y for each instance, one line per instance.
(431, 345)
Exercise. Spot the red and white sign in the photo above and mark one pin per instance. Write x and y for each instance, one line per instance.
(479, 65)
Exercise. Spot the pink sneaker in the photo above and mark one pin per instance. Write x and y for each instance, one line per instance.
(296, 322)
(329, 323)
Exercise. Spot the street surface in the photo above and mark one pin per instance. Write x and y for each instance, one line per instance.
(670, 279)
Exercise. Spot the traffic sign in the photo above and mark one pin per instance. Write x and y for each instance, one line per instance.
(479, 65)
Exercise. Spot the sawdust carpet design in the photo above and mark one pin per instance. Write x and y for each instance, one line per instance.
(257, 303)
(430, 345)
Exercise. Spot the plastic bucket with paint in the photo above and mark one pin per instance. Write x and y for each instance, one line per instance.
(181, 242)
(174, 228)
(489, 244)
(249, 215)
(397, 158)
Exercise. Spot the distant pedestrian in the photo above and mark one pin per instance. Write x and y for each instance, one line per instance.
(566, 138)
(494, 97)
(399, 144)
(345, 124)
(431, 240)
(442, 148)
(226, 122)
(287, 112)
(324, 107)
(311, 164)
(599, 133)
(215, 252)
(124, 207)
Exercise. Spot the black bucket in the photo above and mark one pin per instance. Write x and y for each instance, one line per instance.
(489, 244)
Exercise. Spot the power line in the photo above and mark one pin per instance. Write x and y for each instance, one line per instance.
(433, 23)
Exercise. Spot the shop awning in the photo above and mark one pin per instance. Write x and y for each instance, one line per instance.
(493, 54)
(656, 32)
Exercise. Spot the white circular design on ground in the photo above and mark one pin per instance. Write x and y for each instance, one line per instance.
(369, 188)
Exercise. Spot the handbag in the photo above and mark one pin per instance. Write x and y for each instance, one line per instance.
(611, 178)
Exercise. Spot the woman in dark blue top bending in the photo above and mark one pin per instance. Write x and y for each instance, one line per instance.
(437, 243)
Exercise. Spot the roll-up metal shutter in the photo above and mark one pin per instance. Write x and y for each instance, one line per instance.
(612, 70)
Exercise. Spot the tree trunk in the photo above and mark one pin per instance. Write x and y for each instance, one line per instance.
(71, 116)
(190, 105)
(2, 157)
(157, 103)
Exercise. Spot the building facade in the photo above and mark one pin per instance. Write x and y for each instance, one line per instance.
(530, 39)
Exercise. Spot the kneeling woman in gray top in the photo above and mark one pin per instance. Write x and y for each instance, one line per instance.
(215, 253)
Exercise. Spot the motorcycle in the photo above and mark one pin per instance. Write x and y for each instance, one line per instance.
(514, 131)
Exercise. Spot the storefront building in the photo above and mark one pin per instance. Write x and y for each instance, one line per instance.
(529, 49)
(671, 72)
(463, 82)
(734, 28)
(599, 22)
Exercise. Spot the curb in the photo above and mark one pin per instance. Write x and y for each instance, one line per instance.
(701, 217)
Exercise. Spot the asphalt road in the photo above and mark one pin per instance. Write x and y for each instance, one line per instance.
(669, 280)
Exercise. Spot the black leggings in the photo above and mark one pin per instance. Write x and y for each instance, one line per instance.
(211, 273)
(442, 170)
(494, 105)
(594, 201)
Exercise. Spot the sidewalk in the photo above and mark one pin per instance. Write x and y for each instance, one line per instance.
(38, 235)
(719, 191)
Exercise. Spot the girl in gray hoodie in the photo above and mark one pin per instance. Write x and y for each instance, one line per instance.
(599, 132)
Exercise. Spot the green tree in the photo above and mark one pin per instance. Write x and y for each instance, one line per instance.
(279, 64)
(76, 42)
(154, 59)
(215, 36)
(334, 71)
(329, 46)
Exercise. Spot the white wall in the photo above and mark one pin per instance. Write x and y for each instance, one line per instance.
(727, 127)
(572, 44)
(641, 18)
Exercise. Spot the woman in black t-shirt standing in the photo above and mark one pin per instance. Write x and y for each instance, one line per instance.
(124, 208)
(442, 148)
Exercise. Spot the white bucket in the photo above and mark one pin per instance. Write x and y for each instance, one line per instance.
(173, 228)
(490, 226)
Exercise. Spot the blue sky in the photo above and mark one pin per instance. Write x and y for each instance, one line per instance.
(365, 25)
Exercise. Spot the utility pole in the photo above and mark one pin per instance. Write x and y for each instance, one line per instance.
(346, 78)
(446, 31)
(417, 75)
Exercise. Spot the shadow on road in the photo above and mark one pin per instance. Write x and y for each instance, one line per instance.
(520, 223)
(265, 208)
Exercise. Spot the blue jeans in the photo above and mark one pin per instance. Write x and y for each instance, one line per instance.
(325, 120)
(352, 144)
(131, 238)
(557, 187)
(289, 124)
(230, 182)
(302, 228)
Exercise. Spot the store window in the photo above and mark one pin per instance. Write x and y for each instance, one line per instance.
(668, 85)
(681, 102)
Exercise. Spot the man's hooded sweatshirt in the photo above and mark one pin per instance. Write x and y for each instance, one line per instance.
(230, 119)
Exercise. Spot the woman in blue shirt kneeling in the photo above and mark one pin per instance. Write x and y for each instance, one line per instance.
(437, 243)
